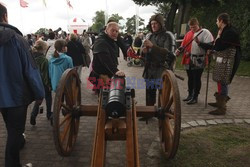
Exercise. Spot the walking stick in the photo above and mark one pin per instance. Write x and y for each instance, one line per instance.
(208, 70)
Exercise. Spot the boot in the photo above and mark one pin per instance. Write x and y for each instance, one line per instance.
(216, 94)
(189, 97)
(32, 119)
(222, 108)
(193, 100)
(215, 104)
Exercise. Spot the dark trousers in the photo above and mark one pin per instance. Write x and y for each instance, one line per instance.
(48, 100)
(14, 119)
(194, 81)
(150, 96)
(222, 89)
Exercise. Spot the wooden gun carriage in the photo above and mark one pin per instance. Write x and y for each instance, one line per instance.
(116, 117)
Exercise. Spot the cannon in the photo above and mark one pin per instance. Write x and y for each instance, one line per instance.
(116, 114)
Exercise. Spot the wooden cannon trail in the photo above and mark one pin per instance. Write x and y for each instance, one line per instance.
(116, 114)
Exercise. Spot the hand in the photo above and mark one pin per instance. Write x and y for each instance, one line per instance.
(120, 73)
(178, 51)
(144, 50)
(147, 43)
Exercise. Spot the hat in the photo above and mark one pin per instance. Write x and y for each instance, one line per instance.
(157, 17)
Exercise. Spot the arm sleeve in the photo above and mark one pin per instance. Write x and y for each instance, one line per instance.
(31, 72)
(45, 72)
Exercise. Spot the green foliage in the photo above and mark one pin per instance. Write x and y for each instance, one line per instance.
(239, 18)
(163, 8)
(244, 68)
(42, 30)
(130, 24)
(154, 2)
(116, 18)
(99, 21)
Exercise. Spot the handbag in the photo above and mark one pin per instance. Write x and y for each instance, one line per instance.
(224, 64)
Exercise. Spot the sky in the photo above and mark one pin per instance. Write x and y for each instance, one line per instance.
(57, 13)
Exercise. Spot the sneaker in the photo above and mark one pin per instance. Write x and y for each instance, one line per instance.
(28, 165)
(32, 120)
(23, 142)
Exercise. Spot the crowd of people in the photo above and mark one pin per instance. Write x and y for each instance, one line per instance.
(31, 67)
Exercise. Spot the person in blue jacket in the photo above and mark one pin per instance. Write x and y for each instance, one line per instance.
(20, 84)
(59, 63)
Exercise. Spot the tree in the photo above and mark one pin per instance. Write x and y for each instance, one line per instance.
(130, 24)
(42, 30)
(116, 18)
(99, 21)
(239, 16)
(182, 6)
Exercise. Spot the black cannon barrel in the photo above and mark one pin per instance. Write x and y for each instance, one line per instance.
(116, 106)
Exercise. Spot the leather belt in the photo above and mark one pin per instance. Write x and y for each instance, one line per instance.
(197, 55)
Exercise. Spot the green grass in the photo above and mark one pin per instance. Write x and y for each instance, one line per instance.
(243, 70)
(215, 146)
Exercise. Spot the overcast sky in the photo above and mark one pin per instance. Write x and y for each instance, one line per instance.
(58, 14)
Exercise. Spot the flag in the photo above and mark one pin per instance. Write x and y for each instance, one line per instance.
(23, 4)
(69, 4)
(44, 2)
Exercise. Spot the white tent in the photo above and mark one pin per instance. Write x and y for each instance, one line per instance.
(77, 25)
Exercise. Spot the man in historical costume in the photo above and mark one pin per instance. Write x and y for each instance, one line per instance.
(227, 37)
(194, 57)
(157, 50)
(105, 60)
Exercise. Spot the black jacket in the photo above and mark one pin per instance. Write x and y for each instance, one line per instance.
(76, 51)
(105, 53)
(230, 38)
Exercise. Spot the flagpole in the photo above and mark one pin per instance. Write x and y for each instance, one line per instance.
(106, 12)
(44, 18)
(136, 18)
(21, 19)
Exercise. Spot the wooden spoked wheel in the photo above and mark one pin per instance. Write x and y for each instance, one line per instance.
(169, 114)
(66, 113)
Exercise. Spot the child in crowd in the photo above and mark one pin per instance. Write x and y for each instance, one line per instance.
(59, 63)
(39, 50)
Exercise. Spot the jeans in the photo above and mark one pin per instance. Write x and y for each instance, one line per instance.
(48, 99)
(222, 89)
(14, 118)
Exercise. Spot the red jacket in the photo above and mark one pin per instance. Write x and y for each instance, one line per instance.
(186, 54)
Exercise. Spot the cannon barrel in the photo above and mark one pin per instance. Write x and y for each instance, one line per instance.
(116, 103)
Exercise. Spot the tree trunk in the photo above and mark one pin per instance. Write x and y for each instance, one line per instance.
(187, 12)
(179, 19)
(183, 15)
(169, 24)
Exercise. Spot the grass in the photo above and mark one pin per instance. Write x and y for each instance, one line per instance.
(243, 70)
(215, 146)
